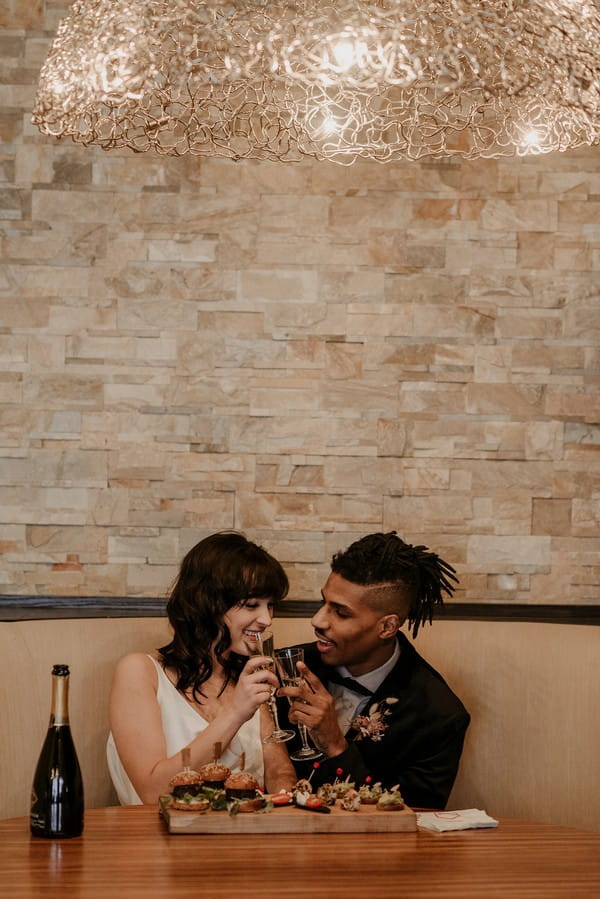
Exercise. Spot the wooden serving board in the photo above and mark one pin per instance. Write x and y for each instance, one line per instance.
(290, 819)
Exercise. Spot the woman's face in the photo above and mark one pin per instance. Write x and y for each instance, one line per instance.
(248, 620)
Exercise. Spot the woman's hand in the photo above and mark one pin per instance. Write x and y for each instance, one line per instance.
(255, 685)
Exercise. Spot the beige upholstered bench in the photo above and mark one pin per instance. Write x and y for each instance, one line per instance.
(533, 691)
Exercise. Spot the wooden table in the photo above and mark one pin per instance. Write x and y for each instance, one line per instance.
(126, 852)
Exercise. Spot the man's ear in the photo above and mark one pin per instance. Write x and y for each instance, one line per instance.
(389, 626)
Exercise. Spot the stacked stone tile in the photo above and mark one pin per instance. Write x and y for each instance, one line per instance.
(306, 353)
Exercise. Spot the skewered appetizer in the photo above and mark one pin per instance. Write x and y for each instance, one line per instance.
(342, 786)
(301, 788)
(370, 793)
(327, 793)
(391, 800)
(304, 797)
(351, 800)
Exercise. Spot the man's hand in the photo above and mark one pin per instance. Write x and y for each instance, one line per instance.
(314, 706)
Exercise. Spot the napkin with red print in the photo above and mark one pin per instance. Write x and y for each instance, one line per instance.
(462, 820)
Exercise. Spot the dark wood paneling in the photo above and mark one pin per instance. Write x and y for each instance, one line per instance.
(22, 608)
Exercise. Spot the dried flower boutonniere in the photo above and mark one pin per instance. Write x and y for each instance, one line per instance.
(372, 726)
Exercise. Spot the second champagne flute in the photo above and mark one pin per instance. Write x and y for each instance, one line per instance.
(287, 661)
(263, 646)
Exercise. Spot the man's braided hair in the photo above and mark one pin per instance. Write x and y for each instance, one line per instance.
(387, 559)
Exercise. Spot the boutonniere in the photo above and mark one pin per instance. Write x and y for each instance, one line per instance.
(373, 726)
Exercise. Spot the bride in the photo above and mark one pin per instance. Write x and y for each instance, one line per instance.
(201, 688)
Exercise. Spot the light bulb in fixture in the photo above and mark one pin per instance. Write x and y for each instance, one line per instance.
(532, 141)
(329, 126)
(349, 53)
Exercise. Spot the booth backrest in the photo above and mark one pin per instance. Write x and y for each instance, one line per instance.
(533, 691)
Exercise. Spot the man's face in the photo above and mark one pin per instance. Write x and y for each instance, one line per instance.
(347, 629)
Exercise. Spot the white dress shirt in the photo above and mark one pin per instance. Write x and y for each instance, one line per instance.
(349, 703)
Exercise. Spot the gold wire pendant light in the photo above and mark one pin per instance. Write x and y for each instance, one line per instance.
(377, 79)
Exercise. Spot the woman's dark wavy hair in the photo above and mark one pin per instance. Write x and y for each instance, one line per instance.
(218, 573)
(387, 559)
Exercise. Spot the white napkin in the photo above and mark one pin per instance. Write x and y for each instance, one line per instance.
(461, 820)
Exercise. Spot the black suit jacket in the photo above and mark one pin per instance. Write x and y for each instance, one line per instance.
(421, 746)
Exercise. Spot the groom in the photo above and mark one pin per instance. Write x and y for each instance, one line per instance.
(372, 705)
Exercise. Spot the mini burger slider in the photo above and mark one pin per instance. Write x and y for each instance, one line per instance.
(187, 781)
(243, 788)
(186, 790)
(214, 775)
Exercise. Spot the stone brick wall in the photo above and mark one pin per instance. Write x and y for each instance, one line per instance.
(307, 353)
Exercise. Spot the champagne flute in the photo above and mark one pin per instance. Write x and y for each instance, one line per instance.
(263, 646)
(287, 662)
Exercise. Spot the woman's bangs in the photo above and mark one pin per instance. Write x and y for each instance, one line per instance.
(265, 581)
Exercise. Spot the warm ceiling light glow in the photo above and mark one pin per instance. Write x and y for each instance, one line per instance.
(243, 78)
(329, 126)
(531, 139)
(344, 54)
(349, 53)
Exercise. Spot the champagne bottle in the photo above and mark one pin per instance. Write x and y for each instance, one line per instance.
(57, 790)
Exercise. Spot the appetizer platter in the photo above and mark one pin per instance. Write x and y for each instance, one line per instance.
(216, 800)
(292, 819)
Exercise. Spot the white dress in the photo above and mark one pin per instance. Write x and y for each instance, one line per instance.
(180, 724)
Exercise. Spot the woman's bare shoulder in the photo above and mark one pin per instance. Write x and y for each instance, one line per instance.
(136, 665)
